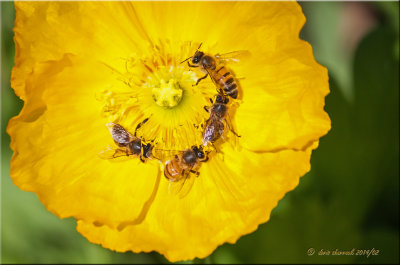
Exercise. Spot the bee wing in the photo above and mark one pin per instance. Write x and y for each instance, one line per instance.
(182, 187)
(165, 155)
(229, 124)
(119, 134)
(114, 154)
(233, 57)
(212, 78)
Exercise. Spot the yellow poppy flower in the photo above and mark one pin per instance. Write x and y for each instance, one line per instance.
(80, 66)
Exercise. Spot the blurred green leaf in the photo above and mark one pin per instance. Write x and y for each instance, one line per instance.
(377, 124)
(322, 31)
(391, 9)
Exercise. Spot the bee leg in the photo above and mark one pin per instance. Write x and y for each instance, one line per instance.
(233, 131)
(205, 160)
(195, 172)
(140, 125)
(206, 108)
(216, 149)
(191, 65)
(211, 101)
(201, 78)
(197, 126)
(200, 125)
(142, 159)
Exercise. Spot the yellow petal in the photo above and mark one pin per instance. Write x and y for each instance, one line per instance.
(56, 140)
(283, 100)
(132, 27)
(229, 198)
(226, 25)
(282, 85)
(47, 30)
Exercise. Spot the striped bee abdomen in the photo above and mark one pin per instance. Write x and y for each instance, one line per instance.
(226, 81)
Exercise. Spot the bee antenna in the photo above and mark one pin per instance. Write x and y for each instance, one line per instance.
(185, 59)
(191, 56)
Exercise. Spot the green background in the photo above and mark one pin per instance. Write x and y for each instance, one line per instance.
(349, 199)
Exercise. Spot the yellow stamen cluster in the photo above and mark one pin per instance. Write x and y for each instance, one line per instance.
(169, 94)
(163, 92)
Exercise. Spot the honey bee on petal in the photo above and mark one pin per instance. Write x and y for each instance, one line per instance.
(215, 125)
(214, 66)
(182, 167)
(127, 144)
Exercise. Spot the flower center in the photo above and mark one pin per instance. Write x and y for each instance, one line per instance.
(169, 94)
(159, 89)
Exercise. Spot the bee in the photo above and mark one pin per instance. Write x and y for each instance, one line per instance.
(214, 126)
(214, 67)
(180, 168)
(127, 144)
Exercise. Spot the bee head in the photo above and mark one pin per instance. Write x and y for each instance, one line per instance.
(197, 57)
(198, 151)
(147, 150)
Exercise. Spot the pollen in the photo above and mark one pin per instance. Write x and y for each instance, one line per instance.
(169, 94)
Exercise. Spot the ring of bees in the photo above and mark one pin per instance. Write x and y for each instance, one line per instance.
(181, 167)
